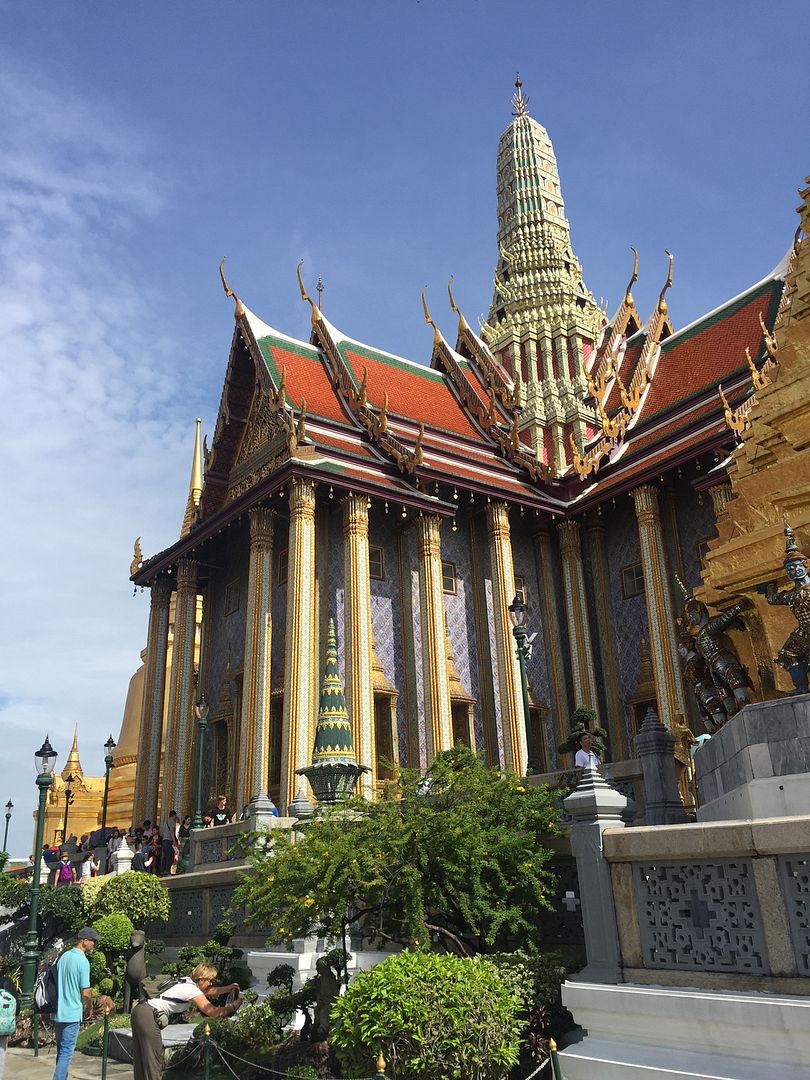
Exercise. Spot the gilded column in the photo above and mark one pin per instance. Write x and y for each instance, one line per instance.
(147, 776)
(177, 766)
(660, 615)
(357, 637)
(553, 632)
(513, 723)
(607, 641)
(254, 745)
(583, 671)
(300, 648)
(438, 721)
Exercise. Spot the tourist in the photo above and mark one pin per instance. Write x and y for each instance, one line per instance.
(65, 874)
(585, 756)
(208, 821)
(143, 859)
(168, 840)
(74, 998)
(9, 987)
(149, 1017)
(88, 868)
(222, 813)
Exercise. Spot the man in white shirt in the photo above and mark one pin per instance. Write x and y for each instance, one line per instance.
(585, 756)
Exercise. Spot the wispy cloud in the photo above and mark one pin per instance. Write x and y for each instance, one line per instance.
(91, 445)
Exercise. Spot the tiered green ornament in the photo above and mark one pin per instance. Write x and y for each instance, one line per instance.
(334, 770)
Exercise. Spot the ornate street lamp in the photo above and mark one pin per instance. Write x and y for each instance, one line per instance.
(69, 797)
(201, 712)
(9, 808)
(45, 758)
(109, 746)
(518, 613)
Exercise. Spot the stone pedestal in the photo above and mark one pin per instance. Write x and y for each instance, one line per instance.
(757, 765)
(654, 746)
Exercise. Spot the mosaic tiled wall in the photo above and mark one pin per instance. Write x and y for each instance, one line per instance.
(278, 606)
(387, 617)
(525, 561)
(333, 600)
(224, 636)
(695, 521)
(630, 615)
(460, 616)
(479, 525)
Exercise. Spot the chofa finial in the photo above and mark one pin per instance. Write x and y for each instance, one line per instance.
(238, 309)
(628, 295)
(662, 304)
(305, 295)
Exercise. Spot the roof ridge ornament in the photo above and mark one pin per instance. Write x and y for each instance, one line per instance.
(628, 295)
(519, 103)
(437, 337)
(462, 322)
(238, 308)
(305, 295)
(662, 304)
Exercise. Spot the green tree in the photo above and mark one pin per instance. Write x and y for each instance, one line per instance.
(584, 721)
(455, 856)
(432, 1016)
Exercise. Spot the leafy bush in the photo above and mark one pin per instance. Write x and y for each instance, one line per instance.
(90, 891)
(432, 1016)
(91, 1036)
(61, 911)
(115, 932)
(143, 897)
(251, 1032)
(584, 721)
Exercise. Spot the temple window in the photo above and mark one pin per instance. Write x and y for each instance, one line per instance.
(449, 578)
(232, 597)
(376, 562)
(632, 580)
(282, 565)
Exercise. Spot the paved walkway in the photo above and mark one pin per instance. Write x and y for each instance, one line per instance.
(22, 1065)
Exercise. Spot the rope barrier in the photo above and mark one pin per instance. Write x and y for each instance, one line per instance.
(264, 1068)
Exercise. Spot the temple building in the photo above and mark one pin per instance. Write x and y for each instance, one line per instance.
(84, 794)
(576, 458)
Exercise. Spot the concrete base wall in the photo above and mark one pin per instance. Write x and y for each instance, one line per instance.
(649, 1031)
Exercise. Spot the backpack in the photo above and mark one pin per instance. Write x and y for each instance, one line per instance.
(8, 1013)
(46, 989)
(66, 873)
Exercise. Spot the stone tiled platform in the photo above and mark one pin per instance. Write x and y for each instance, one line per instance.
(758, 764)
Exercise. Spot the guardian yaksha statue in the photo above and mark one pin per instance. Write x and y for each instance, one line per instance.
(729, 676)
(794, 656)
(696, 670)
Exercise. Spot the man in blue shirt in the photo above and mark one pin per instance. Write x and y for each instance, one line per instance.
(73, 1003)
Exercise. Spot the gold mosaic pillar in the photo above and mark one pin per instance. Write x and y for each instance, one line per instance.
(513, 724)
(300, 643)
(553, 632)
(177, 766)
(357, 636)
(583, 671)
(607, 642)
(254, 745)
(660, 615)
(147, 776)
(438, 721)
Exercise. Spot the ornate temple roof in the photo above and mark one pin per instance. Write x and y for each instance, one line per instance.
(608, 404)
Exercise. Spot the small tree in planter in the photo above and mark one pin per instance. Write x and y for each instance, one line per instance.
(142, 897)
(584, 722)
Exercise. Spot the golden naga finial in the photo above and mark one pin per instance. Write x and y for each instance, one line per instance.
(437, 337)
(238, 309)
(628, 295)
(462, 322)
(305, 295)
(736, 419)
(281, 393)
(519, 102)
(662, 304)
(301, 426)
(137, 558)
(362, 393)
(585, 464)
(418, 454)
(758, 378)
(770, 340)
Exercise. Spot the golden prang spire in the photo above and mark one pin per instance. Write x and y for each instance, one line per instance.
(73, 765)
(195, 485)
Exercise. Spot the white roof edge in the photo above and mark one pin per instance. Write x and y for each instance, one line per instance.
(261, 329)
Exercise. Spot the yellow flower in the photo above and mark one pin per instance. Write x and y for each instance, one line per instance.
(309, 902)
(520, 790)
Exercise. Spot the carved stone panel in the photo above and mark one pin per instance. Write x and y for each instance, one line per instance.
(700, 916)
(795, 874)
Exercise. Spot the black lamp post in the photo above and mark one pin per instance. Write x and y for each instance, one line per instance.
(201, 712)
(69, 797)
(518, 613)
(9, 808)
(109, 746)
(45, 758)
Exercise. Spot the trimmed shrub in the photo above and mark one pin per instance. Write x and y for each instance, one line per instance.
(143, 897)
(115, 932)
(432, 1016)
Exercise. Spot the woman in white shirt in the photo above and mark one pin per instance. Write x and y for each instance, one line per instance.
(585, 756)
(89, 868)
(150, 1017)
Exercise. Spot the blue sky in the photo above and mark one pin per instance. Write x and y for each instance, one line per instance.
(141, 142)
